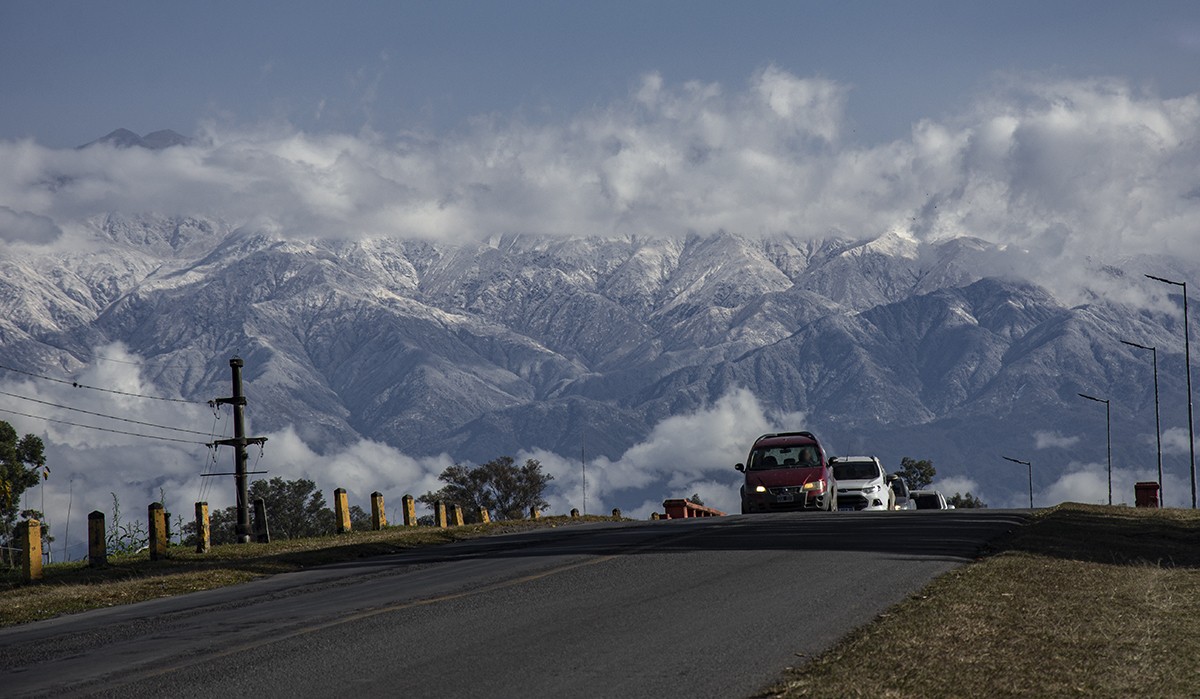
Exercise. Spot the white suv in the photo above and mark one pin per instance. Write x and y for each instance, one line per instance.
(862, 484)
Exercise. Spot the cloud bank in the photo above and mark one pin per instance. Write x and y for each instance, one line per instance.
(1061, 169)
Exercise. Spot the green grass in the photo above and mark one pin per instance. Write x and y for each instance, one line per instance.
(1085, 601)
(74, 587)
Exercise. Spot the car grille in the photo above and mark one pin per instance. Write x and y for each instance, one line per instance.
(793, 489)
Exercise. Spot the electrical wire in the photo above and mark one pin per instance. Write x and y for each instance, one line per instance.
(110, 417)
(76, 384)
(102, 429)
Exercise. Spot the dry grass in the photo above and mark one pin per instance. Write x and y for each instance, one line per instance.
(74, 587)
(1085, 601)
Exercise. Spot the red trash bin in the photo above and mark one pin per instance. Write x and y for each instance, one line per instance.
(1146, 494)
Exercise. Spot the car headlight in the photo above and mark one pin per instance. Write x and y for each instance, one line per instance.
(818, 484)
(872, 489)
(760, 488)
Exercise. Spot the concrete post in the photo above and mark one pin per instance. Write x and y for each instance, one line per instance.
(378, 515)
(574, 513)
(616, 513)
(30, 534)
(484, 516)
(203, 531)
(654, 515)
(97, 542)
(439, 514)
(534, 513)
(262, 531)
(341, 511)
(410, 510)
(158, 531)
(456, 515)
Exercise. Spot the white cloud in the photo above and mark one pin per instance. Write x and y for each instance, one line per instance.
(1053, 440)
(1062, 170)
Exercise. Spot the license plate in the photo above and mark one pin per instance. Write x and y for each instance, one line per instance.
(784, 497)
(845, 508)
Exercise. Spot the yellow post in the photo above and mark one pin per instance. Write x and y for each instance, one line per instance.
(410, 511)
(574, 513)
(30, 533)
(484, 517)
(97, 543)
(456, 515)
(616, 513)
(341, 511)
(534, 513)
(203, 530)
(158, 531)
(439, 514)
(654, 515)
(378, 516)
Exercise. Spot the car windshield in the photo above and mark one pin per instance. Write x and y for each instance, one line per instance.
(855, 470)
(802, 456)
(928, 501)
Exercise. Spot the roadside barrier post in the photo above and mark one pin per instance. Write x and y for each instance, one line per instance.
(534, 513)
(30, 533)
(484, 517)
(574, 513)
(262, 532)
(342, 510)
(410, 510)
(439, 514)
(97, 545)
(203, 532)
(378, 515)
(616, 513)
(158, 531)
(456, 515)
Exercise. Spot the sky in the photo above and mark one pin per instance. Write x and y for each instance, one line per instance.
(1066, 130)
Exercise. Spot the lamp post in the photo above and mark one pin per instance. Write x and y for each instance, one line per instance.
(1108, 436)
(1030, 466)
(1157, 426)
(1187, 358)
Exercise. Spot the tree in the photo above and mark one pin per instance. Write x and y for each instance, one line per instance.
(695, 499)
(968, 501)
(505, 490)
(295, 509)
(917, 474)
(22, 462)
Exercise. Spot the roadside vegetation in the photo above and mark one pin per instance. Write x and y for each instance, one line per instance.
(1088, 601)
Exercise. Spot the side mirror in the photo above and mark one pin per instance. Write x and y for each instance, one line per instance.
(740, 467)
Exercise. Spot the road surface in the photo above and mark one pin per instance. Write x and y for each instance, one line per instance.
(714, 607)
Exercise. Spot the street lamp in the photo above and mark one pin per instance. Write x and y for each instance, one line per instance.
(1018, 461)
(1187, 358)
(1108, 436)
(1157, 426)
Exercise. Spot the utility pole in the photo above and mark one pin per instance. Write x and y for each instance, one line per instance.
(239, 442)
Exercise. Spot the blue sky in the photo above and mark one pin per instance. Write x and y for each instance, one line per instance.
(73, 71)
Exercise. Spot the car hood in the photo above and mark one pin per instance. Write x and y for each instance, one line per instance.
(859, 484)
(777, 477)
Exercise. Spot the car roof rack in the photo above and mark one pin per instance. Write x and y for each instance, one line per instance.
(810, 435)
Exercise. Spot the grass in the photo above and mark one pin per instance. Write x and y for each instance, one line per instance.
(1085, 601)
(73, 587)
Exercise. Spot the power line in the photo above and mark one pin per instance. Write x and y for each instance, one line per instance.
(102, 429)
(110, 417)
(76, 384)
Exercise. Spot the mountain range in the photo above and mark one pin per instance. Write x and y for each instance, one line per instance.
(476, 349)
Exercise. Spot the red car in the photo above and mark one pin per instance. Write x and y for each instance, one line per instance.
(787, 471)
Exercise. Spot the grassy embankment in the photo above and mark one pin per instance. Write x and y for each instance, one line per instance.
(1085, 601)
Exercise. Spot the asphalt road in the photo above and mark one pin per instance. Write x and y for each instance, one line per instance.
(712, 607)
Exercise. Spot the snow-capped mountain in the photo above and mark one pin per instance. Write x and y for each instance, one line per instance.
(886, 346)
